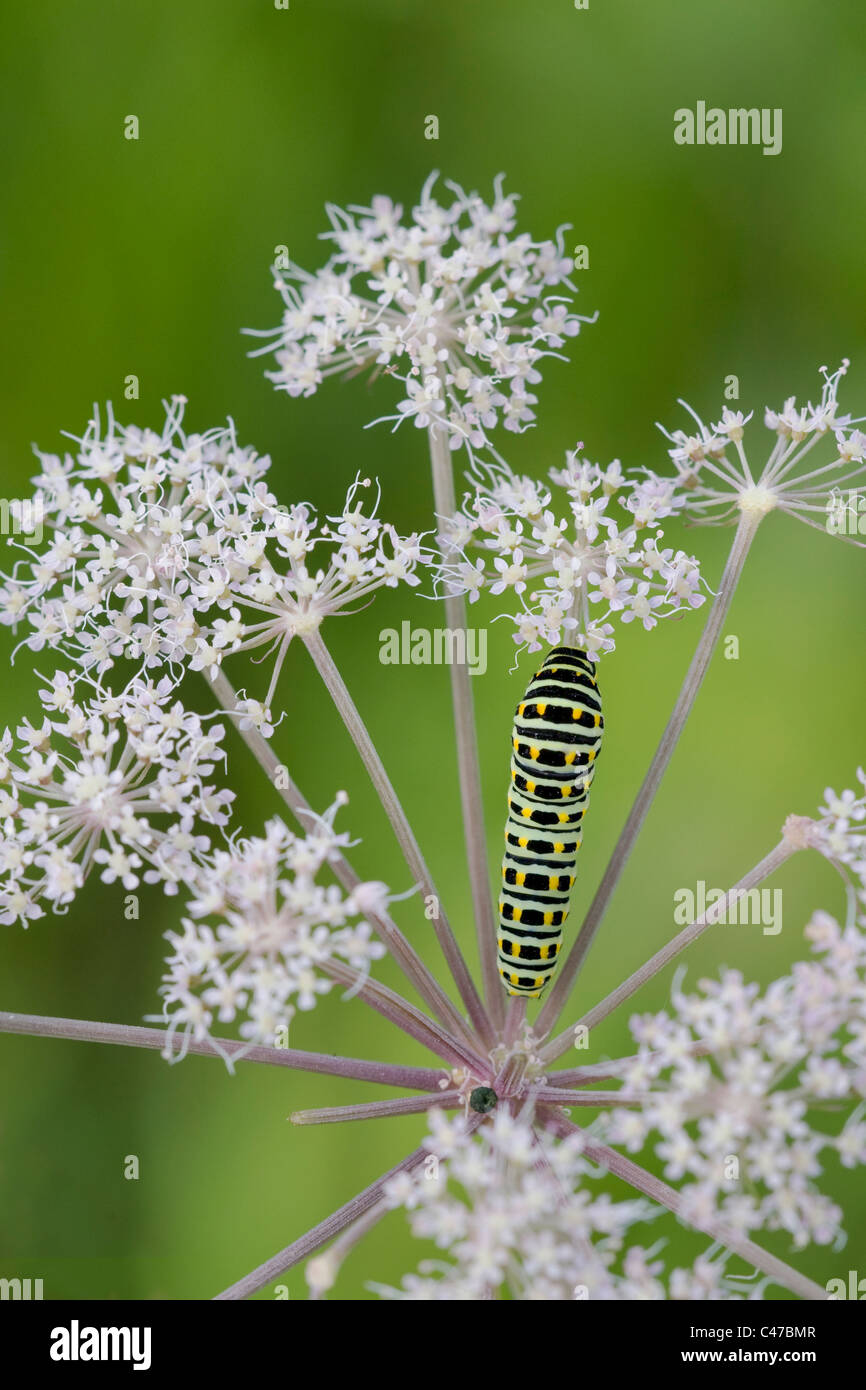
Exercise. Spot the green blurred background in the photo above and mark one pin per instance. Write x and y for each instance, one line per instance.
(149, 257)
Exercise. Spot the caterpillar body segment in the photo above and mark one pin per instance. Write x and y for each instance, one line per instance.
(555, 743)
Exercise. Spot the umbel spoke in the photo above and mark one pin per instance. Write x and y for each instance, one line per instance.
(156, 1039)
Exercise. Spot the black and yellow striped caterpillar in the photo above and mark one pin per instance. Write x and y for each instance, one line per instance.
(555, 741)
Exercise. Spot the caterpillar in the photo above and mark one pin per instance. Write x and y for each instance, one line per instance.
(555, 742)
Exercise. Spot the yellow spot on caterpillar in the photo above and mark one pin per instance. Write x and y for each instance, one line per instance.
(558, 847)
(530, 786)
(522, 842)
(569, 759)
(541, 709)
(575, 713)
(552, 883)
(548, 919)
(566, 791)
(520, 709)
(562, 817)
(526, 811)
(543, 953)
(520, 879)
(533, 753)
(592, 755)
(515, 745)
(597, 720)
(499, 944)
(514, 979)
(571, 881)
(515, 917)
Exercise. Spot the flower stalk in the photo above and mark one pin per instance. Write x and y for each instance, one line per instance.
(471, 800)
(155, 1039)
(559, 1045)
(410, 962)
(348, 711)
(573, 964)
(653, 1187)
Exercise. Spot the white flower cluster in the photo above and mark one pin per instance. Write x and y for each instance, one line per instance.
(512, 1207)
(79, 792)
(259, 931)
(319, 568)
(840, 834)
(455, 304)
(739, 1090)
(715, 482)
(169, 549)
(572, 564)
(131, 518)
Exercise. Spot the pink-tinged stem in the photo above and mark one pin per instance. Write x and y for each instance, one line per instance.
(347, 709)
(768, 865)
(468, 765)
(122, 1035)
(322, 1272)
(329, 1228)
(588, 1075)
(558, 1095)
(514, 1018)
(319, 1235)
(412, 1021)
(387, 930)
(691, 685)
(378, 1109)
(510, 1074)
(717, 1230)
(613, 1069)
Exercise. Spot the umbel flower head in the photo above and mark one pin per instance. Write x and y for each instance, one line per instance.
(261, 932)
(739, 1089)
(168, 548)
(840, 835)
(314, 568)
(510, 1207)
(130, 517)
(572, 556)
(715, 481)
(454, 303)
(80, 791)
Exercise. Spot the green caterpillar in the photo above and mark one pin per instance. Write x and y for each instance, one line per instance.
(555, 742)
